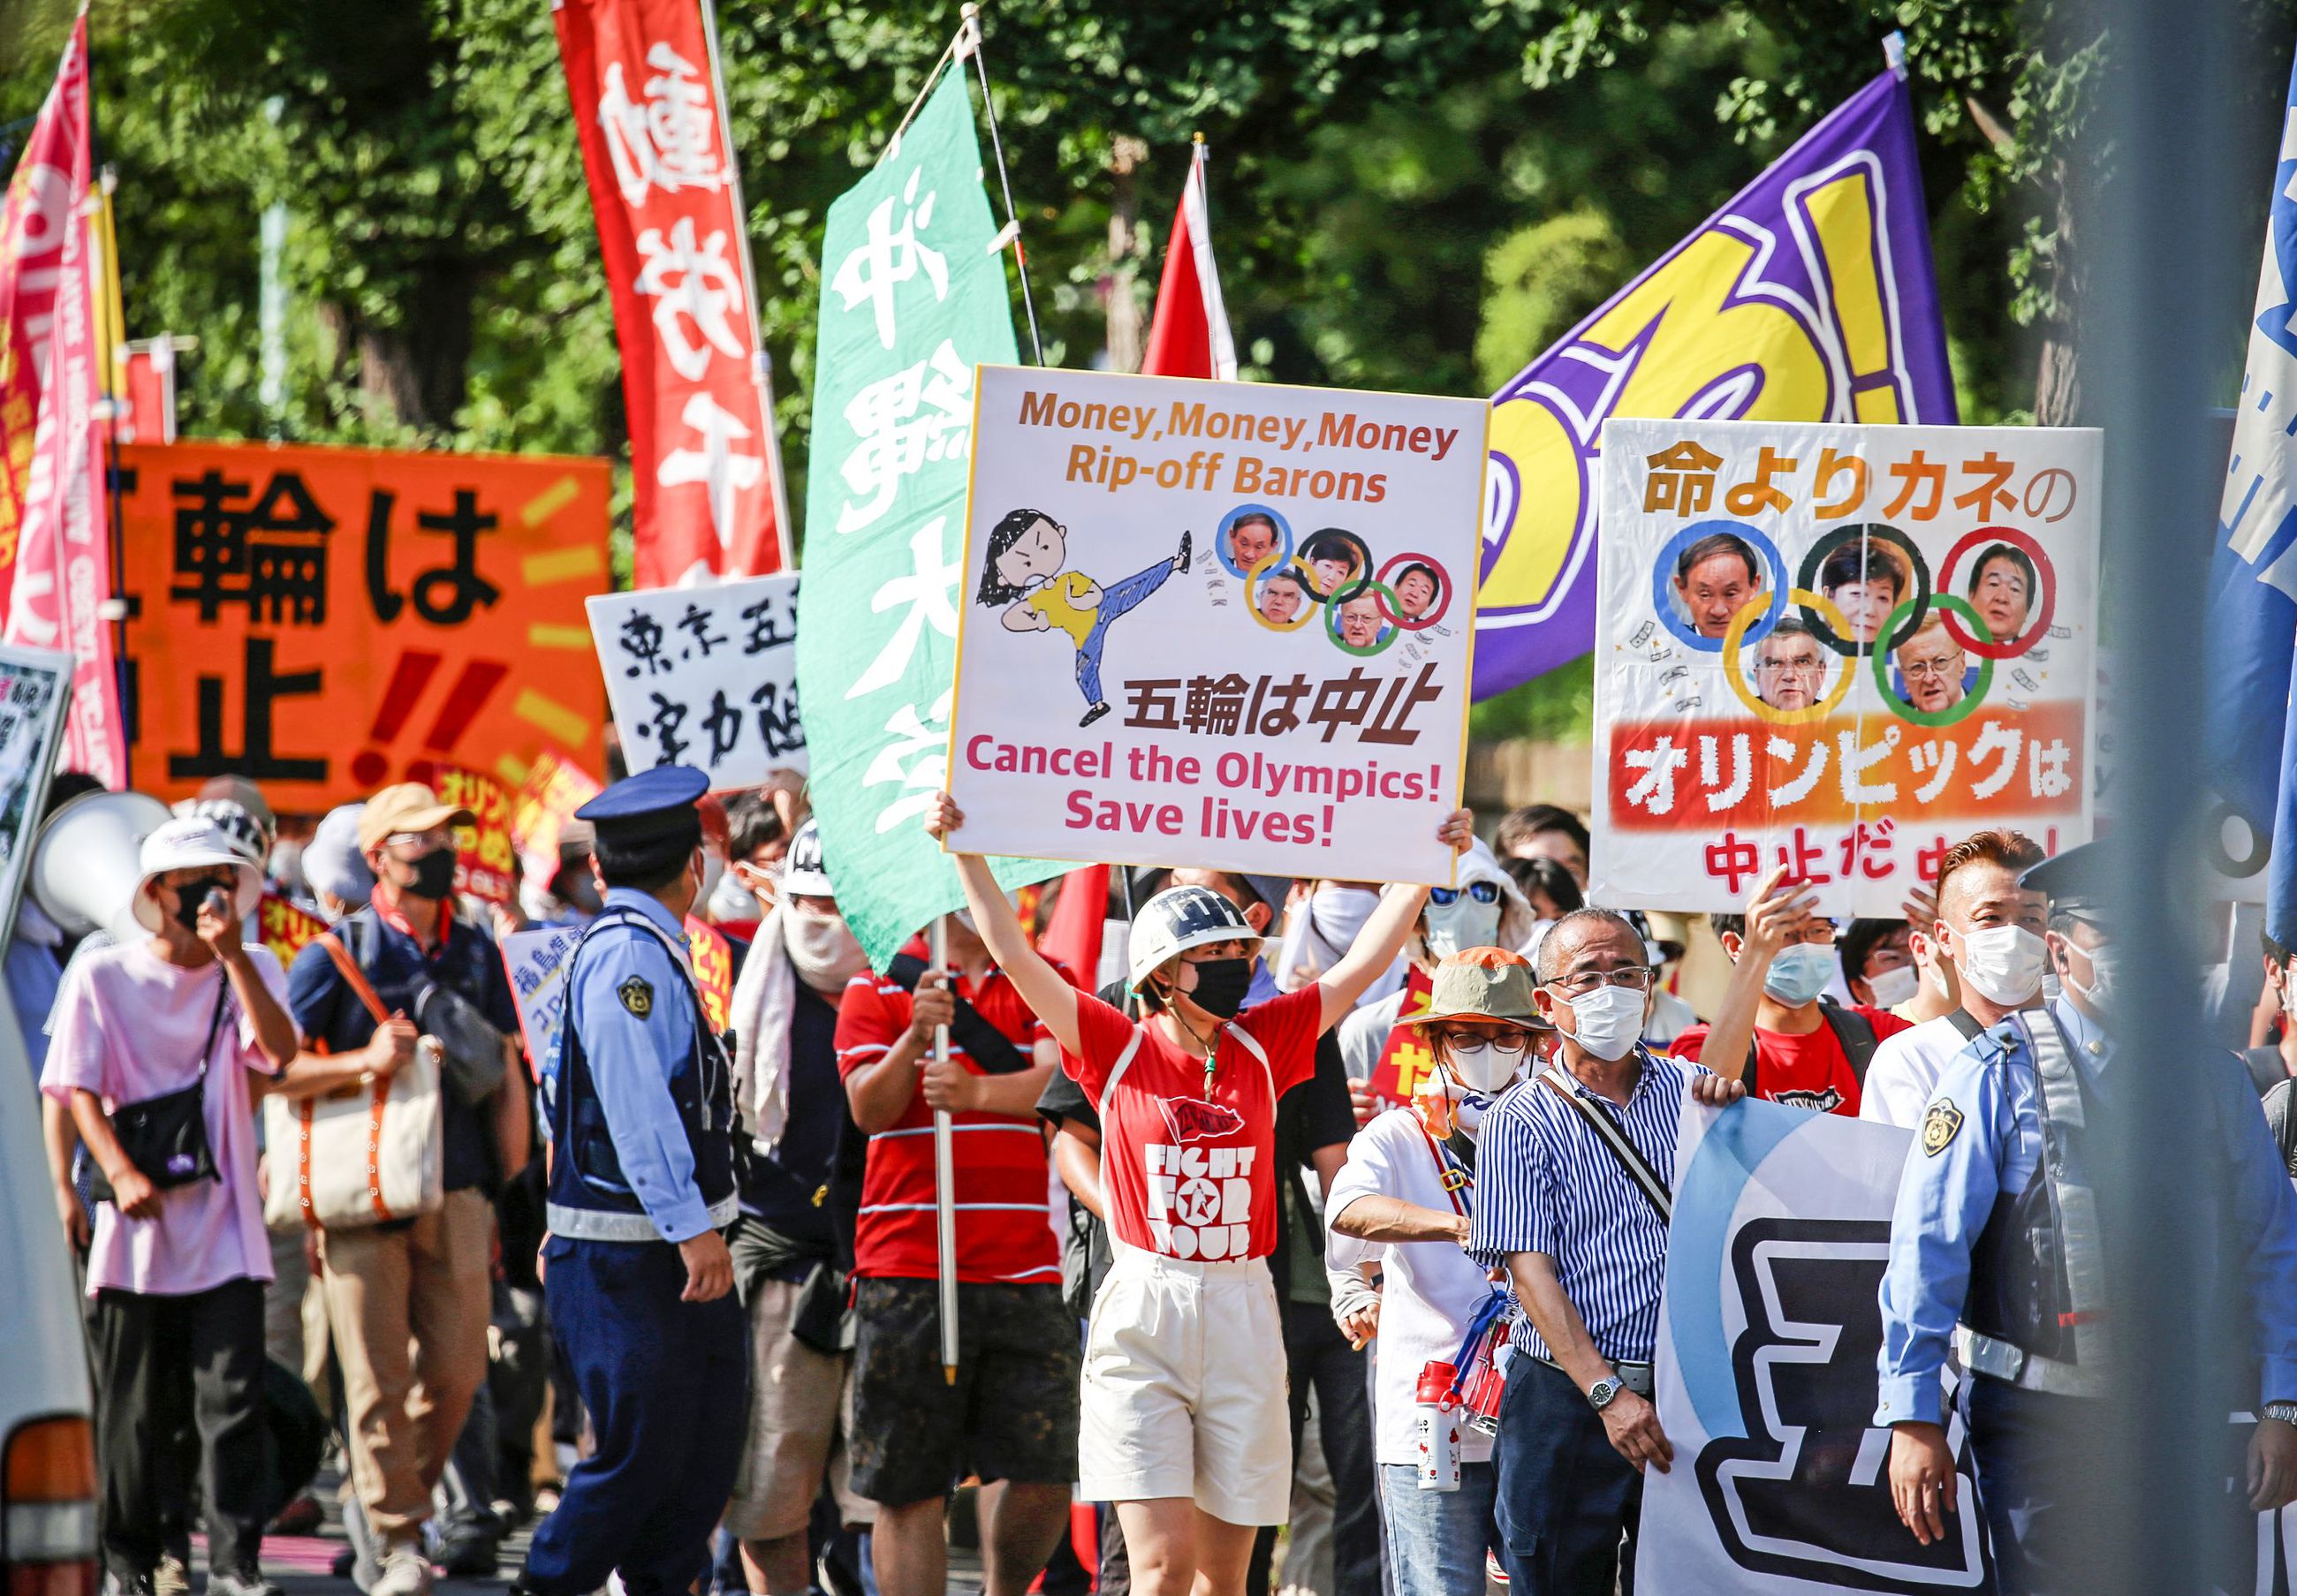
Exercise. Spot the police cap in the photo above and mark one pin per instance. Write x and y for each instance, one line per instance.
(2074, 881)
(654, 804)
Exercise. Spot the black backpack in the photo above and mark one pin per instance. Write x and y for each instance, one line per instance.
(1854, 1034)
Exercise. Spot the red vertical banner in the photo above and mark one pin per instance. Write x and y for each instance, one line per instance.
(55, 548)
(666, 194)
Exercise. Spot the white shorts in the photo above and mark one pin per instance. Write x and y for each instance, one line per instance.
(1184, 1391)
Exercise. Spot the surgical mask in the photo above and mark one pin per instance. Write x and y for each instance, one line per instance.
(730, 903)
(434, 875)
(1449, 928)
(823, 950)
(714, 870)
(1220, 985)
(1799, 973)
(1340, 912)
(2004, 963)
(1479, 1066)
(2103, 963)
(1893, 987)
(1609, 1021)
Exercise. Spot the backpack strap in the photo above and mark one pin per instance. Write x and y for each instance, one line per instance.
(1854, 1034)
(982, 1042)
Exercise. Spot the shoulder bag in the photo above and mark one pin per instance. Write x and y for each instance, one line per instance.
(166, 1137)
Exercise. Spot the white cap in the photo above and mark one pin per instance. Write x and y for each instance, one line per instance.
(192, 842)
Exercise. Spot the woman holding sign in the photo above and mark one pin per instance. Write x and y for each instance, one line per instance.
(1185, 1425)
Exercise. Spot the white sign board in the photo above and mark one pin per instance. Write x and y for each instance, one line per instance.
(538, 963)
(704, 676)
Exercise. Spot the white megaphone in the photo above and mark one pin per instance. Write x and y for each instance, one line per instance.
(88, 861)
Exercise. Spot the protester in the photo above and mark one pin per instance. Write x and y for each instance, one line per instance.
(1183, 1382)
(334, 868)
(1999, 1248)
(1670, 1016)
(1551, 889)
(792, 1104)
(757, 839)
(1878, 963)
(408, 1303)
(1988, 936)
(180, 1258)
(1573, 1175)
(1544, 831)
(2273, 1062)
(1403, 1203)
(639, 1277)
(1321, 924)
(1011, 1415)
(1774, 1030)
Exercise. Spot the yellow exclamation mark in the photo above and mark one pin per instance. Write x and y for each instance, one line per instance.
(1842, 216)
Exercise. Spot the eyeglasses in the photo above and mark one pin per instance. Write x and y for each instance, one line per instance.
(1482, 892)
(1509, 1044)
(1634, 977)
(402, 839)
(1920, 670)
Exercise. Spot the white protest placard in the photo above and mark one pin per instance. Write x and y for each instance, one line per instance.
(704, 676)
(34, 687)
(537, 962)
(1216, 623)
(1769, 1328)
(1840, 648)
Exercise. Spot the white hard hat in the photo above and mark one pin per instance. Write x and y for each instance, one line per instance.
(1179, 918)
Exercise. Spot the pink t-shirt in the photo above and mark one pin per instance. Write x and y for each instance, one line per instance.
(128, 1026)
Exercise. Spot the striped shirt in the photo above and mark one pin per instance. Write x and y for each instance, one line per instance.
(1546, 1183)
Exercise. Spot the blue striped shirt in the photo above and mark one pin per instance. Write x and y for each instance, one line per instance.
(1546, 1183)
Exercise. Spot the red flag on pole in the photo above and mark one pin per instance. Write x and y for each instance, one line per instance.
(1189, 336)
(649, 108)
(55, 538)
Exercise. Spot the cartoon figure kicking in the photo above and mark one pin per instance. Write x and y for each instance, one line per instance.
(1027, 551)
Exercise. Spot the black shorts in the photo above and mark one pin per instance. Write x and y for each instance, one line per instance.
(1011, 1415)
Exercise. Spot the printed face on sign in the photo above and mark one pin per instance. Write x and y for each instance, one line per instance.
(1715, 579)
(1416, 589)
(2001, 588)
(1931, 665)
(1789, 666)
(1251, 540)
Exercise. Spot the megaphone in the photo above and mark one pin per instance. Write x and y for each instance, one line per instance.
(87, 862)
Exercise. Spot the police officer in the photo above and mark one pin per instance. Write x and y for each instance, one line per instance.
(636, 1270)
(1996, 1245)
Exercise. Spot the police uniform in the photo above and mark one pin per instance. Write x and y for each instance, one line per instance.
(1997, 1250)
(639, 1115)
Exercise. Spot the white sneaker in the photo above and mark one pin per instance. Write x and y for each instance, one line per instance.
(406, 1572)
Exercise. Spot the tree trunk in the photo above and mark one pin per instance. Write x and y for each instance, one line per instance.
(2057, 380)
(1124, 330)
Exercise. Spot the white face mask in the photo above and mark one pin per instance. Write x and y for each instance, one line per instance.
(714, 870)
(1339, 912)
(1449, 928)
(730, 903)
(823, 950)
(1893, 987)
(2100, 991)
(1609, 1021)
(2003, 964)
(1480, 1067)
(1799, 972)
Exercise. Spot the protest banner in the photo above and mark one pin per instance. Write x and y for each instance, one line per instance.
(324, 621)
(704, 677)
(1808, 297)
(285, 927)
(538, 963)
(486, 862)
(1769, 1329)
(544, 801)
(712, 958)
(913, 299)
(36, 689)
(1838, 648)
(1221, 624)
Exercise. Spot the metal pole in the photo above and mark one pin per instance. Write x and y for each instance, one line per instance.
(969, 41)
(945, 1180)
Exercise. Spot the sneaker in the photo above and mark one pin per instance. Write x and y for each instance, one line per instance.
(468, 1554)
(247, 1582)
(406, 1572)
(170, 1577)
(1184, 553)
(1094, 713)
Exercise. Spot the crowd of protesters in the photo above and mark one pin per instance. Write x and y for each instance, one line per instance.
(1186, 1221)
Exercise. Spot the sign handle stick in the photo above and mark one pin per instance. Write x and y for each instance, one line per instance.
(945, 1181)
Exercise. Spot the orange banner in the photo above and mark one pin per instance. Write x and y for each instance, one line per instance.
(486, 866)
(1404, 1061)
(713, 970)
(553, 790)
(286, 928)
(327, 620)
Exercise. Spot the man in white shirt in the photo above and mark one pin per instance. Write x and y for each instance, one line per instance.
(1982, 911)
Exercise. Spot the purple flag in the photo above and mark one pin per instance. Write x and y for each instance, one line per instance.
(1809, 297)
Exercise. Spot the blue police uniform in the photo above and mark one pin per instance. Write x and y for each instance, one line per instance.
(640, 1116)
(1996, 1251)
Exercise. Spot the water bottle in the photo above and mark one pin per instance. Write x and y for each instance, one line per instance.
(1439, 1429)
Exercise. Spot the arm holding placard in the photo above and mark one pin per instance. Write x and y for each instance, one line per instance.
(1381, 939)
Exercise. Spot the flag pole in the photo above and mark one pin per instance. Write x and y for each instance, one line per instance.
(968, 43)
(945, 1179)
(761, 363)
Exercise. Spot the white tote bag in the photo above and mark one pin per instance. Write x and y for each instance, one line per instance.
(362, 1155)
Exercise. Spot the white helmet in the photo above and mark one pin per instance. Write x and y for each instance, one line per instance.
(1179, 918)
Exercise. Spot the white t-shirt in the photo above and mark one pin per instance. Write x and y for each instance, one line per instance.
(1432, 1288)
(1363, 1034)
(1904, 1071)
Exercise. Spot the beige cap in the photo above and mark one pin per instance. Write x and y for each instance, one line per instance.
(409, 806)
(1480, 983)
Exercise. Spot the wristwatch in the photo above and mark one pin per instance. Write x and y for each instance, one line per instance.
(1603, 1392)
(2286, 1412)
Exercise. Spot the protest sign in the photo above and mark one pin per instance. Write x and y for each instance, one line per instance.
(1838, 648)
(486, 864)
(553, 790)
(913, 298)
(36, 689)
(704, 677)
(324, 621)
(1222, 624)
(285, 927)
(1769, 1330)
(712, 958)
(538, 963)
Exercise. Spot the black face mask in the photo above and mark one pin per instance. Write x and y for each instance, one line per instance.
(188, 900)
(1220, 985)
(434, 875)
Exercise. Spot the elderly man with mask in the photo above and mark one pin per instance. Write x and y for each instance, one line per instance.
(1997, 1245)
(1574, 1176)
(1988, 942)
(1403, 1200)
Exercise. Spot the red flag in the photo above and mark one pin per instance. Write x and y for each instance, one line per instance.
(667, 195)
(55, 540)
(1072, 937)
(1190, 335)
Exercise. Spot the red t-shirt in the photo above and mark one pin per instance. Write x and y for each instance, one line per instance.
(1002, 1231)
(1186, 1172)
(1803, 1072)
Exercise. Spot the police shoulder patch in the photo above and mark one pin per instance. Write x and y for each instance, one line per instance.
(637, 995)
(1940, 1127)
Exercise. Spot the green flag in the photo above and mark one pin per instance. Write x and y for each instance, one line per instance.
(913, 297)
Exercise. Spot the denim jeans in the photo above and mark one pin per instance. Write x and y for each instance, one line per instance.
(1436, 1539)
(1567, 1498)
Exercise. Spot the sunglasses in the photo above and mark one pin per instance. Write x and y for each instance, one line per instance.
(1482, 892)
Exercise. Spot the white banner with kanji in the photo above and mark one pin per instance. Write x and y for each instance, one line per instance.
(1838, 648)
(704, 677)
